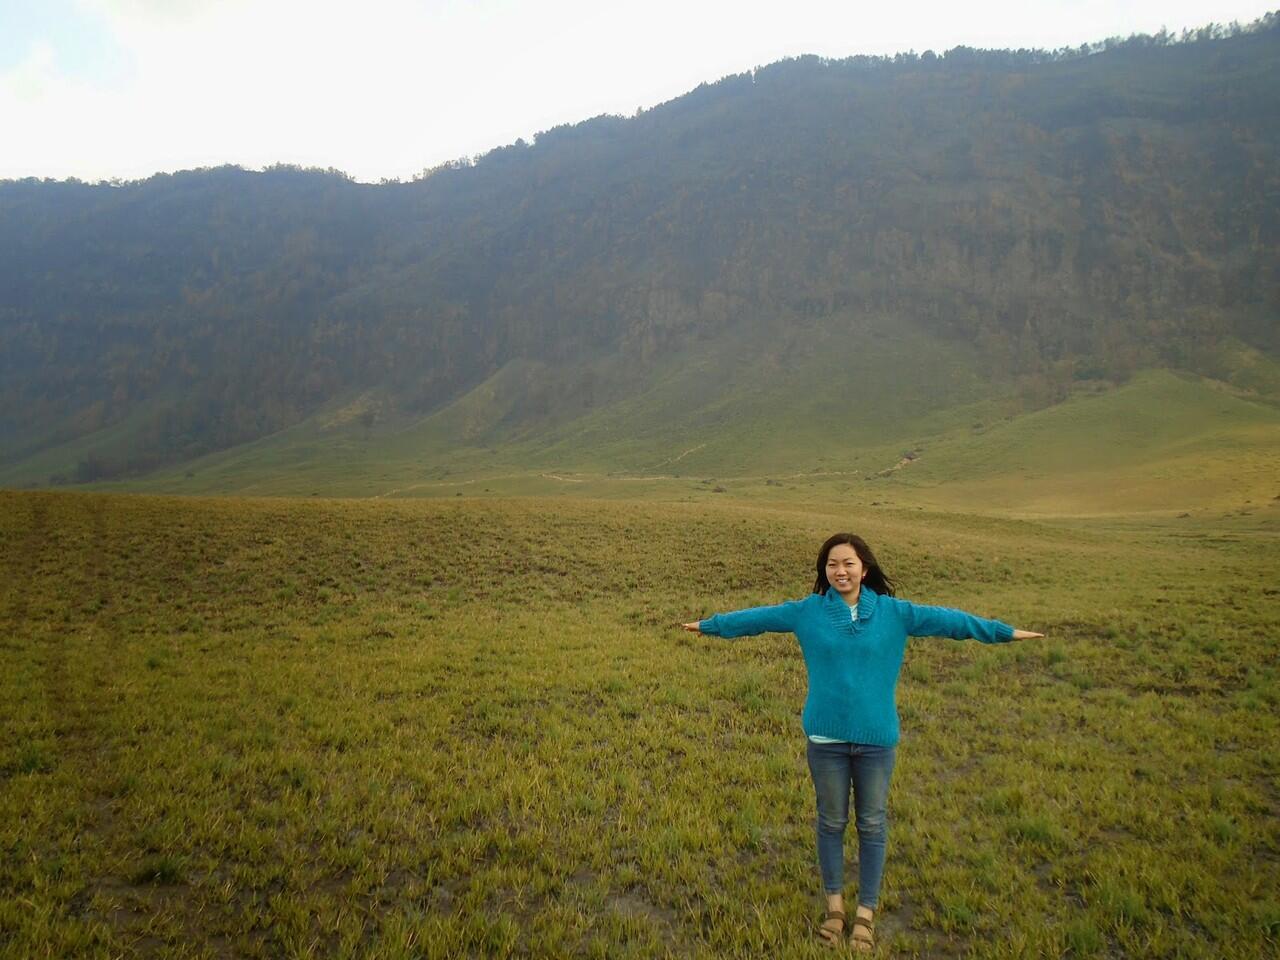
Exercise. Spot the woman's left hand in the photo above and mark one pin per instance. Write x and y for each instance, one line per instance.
(1026, 635)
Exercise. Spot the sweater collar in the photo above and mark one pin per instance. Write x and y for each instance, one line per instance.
(866, 600)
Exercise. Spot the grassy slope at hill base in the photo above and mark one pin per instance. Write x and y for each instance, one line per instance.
(733, 406)
(1161, 444)
(467, 727)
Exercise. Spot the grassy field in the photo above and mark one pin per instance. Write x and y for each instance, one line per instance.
(466, 727)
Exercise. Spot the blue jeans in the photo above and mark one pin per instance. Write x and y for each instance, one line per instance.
(866, 768)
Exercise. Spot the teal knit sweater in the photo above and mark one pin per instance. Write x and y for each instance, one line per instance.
(853, 664)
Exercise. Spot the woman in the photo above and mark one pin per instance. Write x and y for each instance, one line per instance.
(853, 633)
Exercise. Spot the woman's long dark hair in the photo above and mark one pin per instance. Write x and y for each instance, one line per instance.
(876, 578)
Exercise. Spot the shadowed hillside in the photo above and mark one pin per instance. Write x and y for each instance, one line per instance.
(991, 228)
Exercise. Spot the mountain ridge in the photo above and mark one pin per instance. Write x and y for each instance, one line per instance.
(1053, 221)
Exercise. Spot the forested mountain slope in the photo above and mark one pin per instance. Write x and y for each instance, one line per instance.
(1026, 221)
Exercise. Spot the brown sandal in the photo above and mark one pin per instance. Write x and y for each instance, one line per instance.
(863, 934)
(832, 937)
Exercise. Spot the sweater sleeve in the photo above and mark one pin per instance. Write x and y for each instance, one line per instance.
(926, 621)
(781, 618)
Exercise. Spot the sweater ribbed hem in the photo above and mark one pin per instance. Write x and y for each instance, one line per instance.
(877, 736)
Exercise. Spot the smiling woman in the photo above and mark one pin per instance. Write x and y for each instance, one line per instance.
(852, 632)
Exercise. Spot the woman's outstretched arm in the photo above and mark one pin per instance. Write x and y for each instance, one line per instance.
(780, 618)
(925, 621)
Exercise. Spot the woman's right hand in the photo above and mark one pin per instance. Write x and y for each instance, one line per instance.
(695, 627)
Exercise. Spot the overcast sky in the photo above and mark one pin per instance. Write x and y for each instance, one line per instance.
(384, 88)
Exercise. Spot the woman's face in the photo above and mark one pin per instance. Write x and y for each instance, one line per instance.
(844, 569)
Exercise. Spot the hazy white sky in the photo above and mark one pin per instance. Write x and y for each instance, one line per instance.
(383, 88)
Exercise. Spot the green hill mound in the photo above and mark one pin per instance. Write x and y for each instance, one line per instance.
(832, 416)
(1160, 442)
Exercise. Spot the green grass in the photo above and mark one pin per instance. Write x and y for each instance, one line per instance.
(745, 406)
(847, 407)
(1160, 442)
(1163, 444)
(60, 459)
(467, 727)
